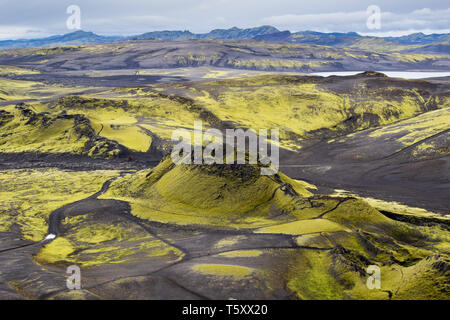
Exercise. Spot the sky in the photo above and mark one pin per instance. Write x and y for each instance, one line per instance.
(34, 19)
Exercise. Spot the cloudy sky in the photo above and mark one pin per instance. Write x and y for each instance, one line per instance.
(31, 18)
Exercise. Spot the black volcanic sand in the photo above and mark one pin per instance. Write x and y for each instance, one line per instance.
(105, 81)
(422, 184)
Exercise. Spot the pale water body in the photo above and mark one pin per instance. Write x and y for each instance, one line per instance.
(393, 74)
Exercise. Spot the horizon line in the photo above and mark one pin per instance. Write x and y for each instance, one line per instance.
(234, 27)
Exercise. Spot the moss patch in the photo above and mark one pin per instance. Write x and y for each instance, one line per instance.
(28, 196)
(233, 272)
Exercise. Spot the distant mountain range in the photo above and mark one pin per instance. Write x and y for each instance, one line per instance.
(419, 42)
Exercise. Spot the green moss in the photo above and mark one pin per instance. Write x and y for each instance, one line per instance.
(301, 187)
(91, 246)
(56, 251)
(294, 109)
(418, 128)
(129, 136)
(11, 71)
(233, 272)
(392, 206)
(310, 277)
(201, 194)
(228, 242)
(11, 90)
(213, 192)
(314, 240)
(97, 234)
(424, 280)
(241, 254)
(357, 214)
(152, 248)
(427, 279)
(27, 197)
(298, 106)
(100, 240)
(304, 227)
(30, 131)
(214, 74)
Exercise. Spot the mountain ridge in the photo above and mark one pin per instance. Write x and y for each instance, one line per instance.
(264, 33)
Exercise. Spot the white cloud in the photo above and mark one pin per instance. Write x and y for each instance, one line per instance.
(400, 33)
(151, 20)
(421, 19)
(316, 19)
(131, 24)
(422, 11)
(20, 32)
